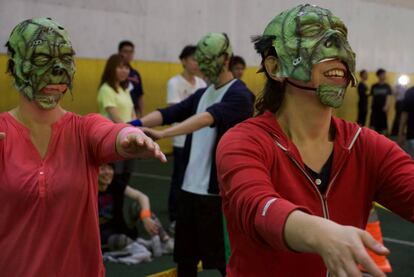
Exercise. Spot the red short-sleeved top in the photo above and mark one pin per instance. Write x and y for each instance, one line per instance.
(48, 207)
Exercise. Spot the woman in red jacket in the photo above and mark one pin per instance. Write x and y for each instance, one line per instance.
(297, 183)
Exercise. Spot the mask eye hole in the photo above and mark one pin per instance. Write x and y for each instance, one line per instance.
(310, 30)
(67, 58)
(343, 31)
(41, 59)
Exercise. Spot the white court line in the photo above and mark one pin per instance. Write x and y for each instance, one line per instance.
(403, 242)
(152, 176)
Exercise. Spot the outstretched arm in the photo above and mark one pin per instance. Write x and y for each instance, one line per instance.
(341, 247)
(188, 126)
(133, 143)
(152, 119)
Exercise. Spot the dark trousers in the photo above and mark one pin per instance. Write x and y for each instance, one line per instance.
(396, 124)
(178, 174)
(362, 114)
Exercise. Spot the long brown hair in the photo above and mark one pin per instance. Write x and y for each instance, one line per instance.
(273, 94)
(109, 74)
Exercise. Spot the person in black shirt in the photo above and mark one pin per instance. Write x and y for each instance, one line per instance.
(126, 48)
(407, 122)
(363, 98)
(380, 92)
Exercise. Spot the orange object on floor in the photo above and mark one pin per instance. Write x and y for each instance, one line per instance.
(381, 261)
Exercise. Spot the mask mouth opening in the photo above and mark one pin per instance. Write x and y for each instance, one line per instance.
(351, 79)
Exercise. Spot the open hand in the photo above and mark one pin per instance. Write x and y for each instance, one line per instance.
(343, 249)
(150, 226)
(152, 133)
(141, 146)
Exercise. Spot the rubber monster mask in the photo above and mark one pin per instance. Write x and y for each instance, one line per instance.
(304, 36)
(210, 54)
(41, 61)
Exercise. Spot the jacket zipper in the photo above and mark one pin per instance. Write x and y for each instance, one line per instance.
(324, 197)
(321, 197)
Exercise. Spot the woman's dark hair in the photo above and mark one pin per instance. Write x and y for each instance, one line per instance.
(109, 74)
(187, 51)
(273, 94)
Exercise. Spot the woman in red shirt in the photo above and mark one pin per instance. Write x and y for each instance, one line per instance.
(49, 161)
(297, 183)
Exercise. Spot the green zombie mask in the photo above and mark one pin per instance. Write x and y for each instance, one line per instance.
(304, 36)
(210, 55)
(41, 59)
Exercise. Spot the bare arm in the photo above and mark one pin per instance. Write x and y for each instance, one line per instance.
(401, 130)
(138, 196)
(387, 103)
(188, 126)
(149, 224)
(114, 114)
(152, 119)
(341, 247)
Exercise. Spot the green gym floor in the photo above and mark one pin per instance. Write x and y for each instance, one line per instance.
(153, 178)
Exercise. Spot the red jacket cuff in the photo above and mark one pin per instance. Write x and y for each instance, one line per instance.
(271, 219)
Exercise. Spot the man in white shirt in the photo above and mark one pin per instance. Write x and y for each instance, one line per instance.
(180, 87)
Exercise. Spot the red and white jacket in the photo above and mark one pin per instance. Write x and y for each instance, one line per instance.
(263, 179)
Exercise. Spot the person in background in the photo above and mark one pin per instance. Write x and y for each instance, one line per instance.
(380, 92)
(115, 102)
(49, 160)
(399, 94)
(204, 117)
(126, 48)
(111, 218)
(179, 88)
(237, 66)
(363, 98)
(407, 122)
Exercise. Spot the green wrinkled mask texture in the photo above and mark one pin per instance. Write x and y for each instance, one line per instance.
(210, 55)
(42, 54)
(306, 35)
(332, 96)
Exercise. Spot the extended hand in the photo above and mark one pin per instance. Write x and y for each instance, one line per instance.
(343, 249)
(150, 226)
(141, 146)
(152, 133)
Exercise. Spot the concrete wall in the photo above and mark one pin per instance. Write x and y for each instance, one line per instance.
(380, 33)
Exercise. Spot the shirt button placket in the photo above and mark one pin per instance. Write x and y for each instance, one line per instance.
(41, 178)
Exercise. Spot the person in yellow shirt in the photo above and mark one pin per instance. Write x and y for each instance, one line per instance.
(113, 97)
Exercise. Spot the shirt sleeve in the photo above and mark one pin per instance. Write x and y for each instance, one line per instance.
(235, 107)
(107, 97)
(395, 181)
(182, 110)
(249, 197)
(101, 135)
(173, 96)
